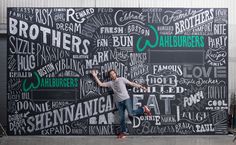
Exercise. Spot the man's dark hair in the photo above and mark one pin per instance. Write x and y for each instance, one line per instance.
(110, 72)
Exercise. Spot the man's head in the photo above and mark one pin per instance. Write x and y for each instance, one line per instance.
(112, 74)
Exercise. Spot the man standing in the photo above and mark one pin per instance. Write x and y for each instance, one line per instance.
(122, 98)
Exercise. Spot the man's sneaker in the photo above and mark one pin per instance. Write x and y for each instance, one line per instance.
(126, 133)
(147, 111)
(121, 136)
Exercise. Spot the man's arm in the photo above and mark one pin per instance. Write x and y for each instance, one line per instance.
(133, 84)
(95, 75)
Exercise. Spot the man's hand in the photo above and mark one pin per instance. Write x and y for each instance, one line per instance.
(144, 88)
(94, 73)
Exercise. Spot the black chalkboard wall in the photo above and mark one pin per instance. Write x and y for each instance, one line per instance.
(180, 54)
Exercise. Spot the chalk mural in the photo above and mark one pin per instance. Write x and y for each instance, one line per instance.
(180, 54)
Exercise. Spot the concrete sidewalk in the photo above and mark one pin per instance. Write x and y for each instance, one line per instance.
(112, 140)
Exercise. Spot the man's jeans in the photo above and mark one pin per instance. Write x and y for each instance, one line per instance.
(127, 104)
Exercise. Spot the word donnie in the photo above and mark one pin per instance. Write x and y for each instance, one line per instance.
(137, 120)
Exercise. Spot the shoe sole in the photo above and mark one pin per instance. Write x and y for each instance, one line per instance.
(123, 137)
